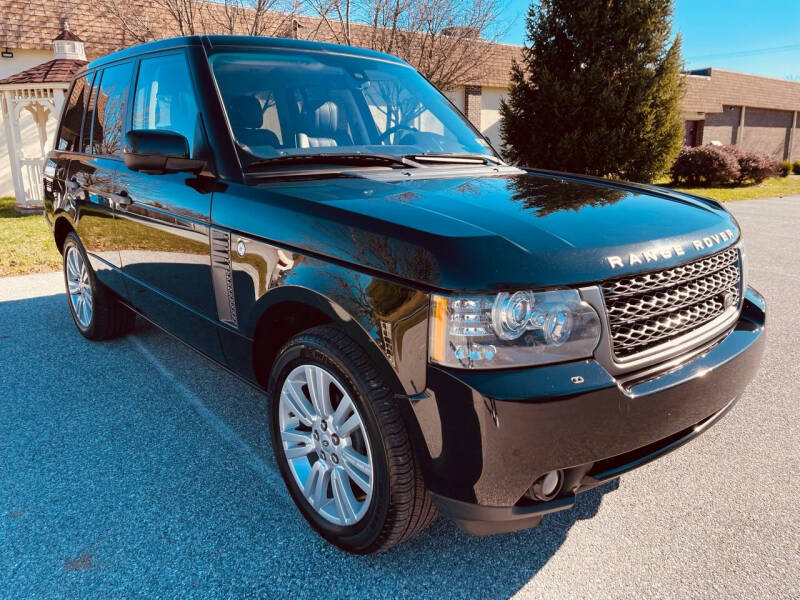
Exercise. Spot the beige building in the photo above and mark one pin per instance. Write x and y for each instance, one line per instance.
(757, 113)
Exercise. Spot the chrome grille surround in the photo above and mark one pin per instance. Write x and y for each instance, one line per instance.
(645, 311)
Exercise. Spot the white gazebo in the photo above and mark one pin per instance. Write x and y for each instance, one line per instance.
(40, 91)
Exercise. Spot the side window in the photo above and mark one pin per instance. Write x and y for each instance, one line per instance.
(164, 97)
(109, 113)
(85, 146)
(70, 131)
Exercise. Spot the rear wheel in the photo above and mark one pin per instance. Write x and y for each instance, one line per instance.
(97, 312)
(341, 444)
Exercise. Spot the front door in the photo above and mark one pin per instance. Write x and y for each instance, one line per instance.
(163, 228)
(690, 133)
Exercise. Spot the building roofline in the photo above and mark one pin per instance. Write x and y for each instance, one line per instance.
(782, 80)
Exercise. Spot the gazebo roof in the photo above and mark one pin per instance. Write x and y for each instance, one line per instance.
(58, 70)
(66, 34)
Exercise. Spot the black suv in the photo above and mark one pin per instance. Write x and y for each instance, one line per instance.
(433, 328)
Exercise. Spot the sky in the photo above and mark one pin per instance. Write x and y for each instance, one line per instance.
(752, 36)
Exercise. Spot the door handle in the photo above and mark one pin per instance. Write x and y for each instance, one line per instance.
(121, 200)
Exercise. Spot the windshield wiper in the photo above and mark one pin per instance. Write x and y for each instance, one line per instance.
(334, 159)
(458, 158)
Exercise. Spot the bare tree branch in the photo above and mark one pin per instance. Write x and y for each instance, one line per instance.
(444, 39)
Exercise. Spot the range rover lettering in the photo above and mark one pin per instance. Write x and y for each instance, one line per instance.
(435, 330)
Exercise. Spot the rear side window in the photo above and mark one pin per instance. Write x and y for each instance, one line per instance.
(165, 98)
(109, 112)
(70, 132)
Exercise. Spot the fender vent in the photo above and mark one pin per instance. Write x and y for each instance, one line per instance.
(222, 276)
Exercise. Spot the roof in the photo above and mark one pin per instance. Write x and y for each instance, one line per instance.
(66, 34)
(707, 90)
(60, 70)
(244, 41)
(32, 24)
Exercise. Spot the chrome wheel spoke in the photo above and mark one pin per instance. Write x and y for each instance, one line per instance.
(346, 503)
(293, 439)
(342, 411)
(297, 402)
(73, 287)
(318, 383)
(357, 468)
(316, 487)
(349, 426)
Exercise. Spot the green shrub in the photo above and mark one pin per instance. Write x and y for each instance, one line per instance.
(796, 167)
(785, 168)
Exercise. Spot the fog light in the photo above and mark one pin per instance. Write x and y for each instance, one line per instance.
(548, 486)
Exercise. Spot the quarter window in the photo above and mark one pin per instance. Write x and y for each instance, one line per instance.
(109, 113)
(70, 131)
(85, 146)
(164, 97)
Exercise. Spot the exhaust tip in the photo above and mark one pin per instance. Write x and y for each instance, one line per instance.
(548, 486)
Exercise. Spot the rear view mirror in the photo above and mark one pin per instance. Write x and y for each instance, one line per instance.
(159, 151)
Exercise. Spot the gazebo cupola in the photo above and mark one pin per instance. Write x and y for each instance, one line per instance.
(37, 95)
(67, 45)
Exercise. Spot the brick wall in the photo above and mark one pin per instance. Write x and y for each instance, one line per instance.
(722, 126)
(796, 150)
(473, 104)
(767, 131)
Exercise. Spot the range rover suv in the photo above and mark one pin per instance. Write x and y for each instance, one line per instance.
(435, 330)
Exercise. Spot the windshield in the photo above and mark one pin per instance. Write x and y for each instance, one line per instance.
(286, 103)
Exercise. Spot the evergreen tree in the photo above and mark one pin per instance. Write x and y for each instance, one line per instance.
(598, 89)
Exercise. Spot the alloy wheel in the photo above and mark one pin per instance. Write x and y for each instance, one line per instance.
(79, 287)
(325, 444)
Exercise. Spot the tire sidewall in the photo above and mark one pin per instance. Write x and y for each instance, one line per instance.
(308, 350)
(72, 241)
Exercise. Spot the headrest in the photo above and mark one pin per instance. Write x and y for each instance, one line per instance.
(326, 119)
(245, 112)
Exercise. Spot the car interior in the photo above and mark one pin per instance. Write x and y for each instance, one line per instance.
(311, 107)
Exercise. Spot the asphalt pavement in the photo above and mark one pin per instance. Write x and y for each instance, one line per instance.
(137, 469)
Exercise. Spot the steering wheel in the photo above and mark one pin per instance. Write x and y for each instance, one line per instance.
(384, 136)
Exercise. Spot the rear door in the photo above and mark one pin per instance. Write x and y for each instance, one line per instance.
(58, 196)
(164, 227)
(94, 171)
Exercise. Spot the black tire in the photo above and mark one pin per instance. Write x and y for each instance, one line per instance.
(109, 317)
(400, 506)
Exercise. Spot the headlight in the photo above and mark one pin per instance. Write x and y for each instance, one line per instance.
(511, 329)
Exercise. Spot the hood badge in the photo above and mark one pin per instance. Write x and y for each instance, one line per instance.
(666, 252)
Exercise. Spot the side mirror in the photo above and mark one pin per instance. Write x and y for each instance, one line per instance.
(159, 151)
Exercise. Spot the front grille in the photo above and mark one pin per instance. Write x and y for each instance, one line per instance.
(653, 308)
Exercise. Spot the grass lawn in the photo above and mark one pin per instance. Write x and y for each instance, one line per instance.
(774, 187)
(26, 244)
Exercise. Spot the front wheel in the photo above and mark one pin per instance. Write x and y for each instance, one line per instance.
(96, 311)
(341, 444)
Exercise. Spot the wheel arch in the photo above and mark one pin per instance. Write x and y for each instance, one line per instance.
(288, 310)
(61, 229)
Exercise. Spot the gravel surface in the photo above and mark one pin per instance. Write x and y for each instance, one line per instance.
(135, 468)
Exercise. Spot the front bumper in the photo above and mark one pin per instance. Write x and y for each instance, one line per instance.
(486, 436)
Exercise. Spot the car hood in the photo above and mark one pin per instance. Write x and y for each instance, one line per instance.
(488, 229)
